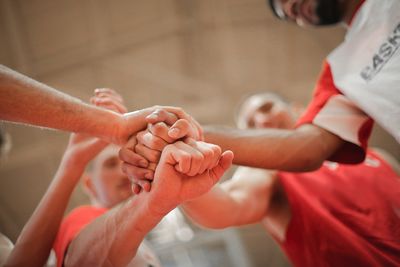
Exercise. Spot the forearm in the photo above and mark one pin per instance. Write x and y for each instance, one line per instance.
(215, 209)
(25, 100)
(114, 238)
(303, 149)
(45, 221)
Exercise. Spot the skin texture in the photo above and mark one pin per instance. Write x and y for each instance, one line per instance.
(307, 13)
(185, 171)
(24, 100)
(36, 239)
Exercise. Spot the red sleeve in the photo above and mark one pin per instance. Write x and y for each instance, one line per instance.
(71, 226)
(334, 112)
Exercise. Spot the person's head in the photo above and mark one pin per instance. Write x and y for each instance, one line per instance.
(266, 110)
(311, 12)
(105, 182)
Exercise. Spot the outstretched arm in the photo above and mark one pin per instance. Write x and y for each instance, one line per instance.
(36, 239)
(301, 149)
(24, 100)
(115, 237)
(244, 199)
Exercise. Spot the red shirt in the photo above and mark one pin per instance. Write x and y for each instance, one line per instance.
(334, 112)
(344, 215)
(71, 226)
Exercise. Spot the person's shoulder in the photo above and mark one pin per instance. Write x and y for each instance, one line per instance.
(84, 213)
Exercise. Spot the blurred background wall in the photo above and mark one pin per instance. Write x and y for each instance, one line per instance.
(202, 55)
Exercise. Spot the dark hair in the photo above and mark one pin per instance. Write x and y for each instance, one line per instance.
(273, 7)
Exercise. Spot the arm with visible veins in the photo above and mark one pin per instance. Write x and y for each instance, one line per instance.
(24, 100)
(301, 149)
(184, 172)
(36, 239)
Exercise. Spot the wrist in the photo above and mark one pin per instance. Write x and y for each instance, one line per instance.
(118, 127)
(160, 207)
(131, 123)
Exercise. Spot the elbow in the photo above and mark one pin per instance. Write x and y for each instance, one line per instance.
(208, 223)
(310, 164)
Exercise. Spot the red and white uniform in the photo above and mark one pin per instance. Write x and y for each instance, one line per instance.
(361, 80)
(344, 215)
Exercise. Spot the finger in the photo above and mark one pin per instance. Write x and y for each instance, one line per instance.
(152, 166)
(181, 114)
(196, 158)
(114, 98)
(161, 115)
(210, 153)
(145, 185)
(107, 91)
(224, 164)
(151, 141)
(178, 158)
(150, 154)
(131, 143)
(136, 173)
(180, 128)
(136, 189)
(161, 129)
(130, 157)
(110, 102)
(140, 185)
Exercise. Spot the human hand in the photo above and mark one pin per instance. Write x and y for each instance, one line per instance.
(182, 124)
(186, 171)
(148, 144)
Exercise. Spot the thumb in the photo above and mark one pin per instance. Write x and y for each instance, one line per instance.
(179, 129)
(224, 164)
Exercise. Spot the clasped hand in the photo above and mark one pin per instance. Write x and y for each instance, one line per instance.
(173, 160)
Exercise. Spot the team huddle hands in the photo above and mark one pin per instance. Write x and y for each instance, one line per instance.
(168, 156)
(170, 159)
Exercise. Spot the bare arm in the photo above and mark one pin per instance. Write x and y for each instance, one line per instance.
(114, 238)
(302, 149)
(36, 239)
(184, 172)
(25, 100)
(244, 199)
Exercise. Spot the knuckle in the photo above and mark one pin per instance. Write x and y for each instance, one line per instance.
(208, 153)
(216, 149)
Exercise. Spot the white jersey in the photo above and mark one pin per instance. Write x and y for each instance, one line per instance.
(366, 66)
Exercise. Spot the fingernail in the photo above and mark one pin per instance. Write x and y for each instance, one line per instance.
(173, 132)
(143, 163)
(152, 116)
(148, 175)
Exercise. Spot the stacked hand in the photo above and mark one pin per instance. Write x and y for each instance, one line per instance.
(182, 168)
(133, 122)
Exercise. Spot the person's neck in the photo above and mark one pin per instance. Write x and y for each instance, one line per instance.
(349, 8)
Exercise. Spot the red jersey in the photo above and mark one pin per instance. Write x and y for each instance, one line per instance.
(344, 215)
(71, 226)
